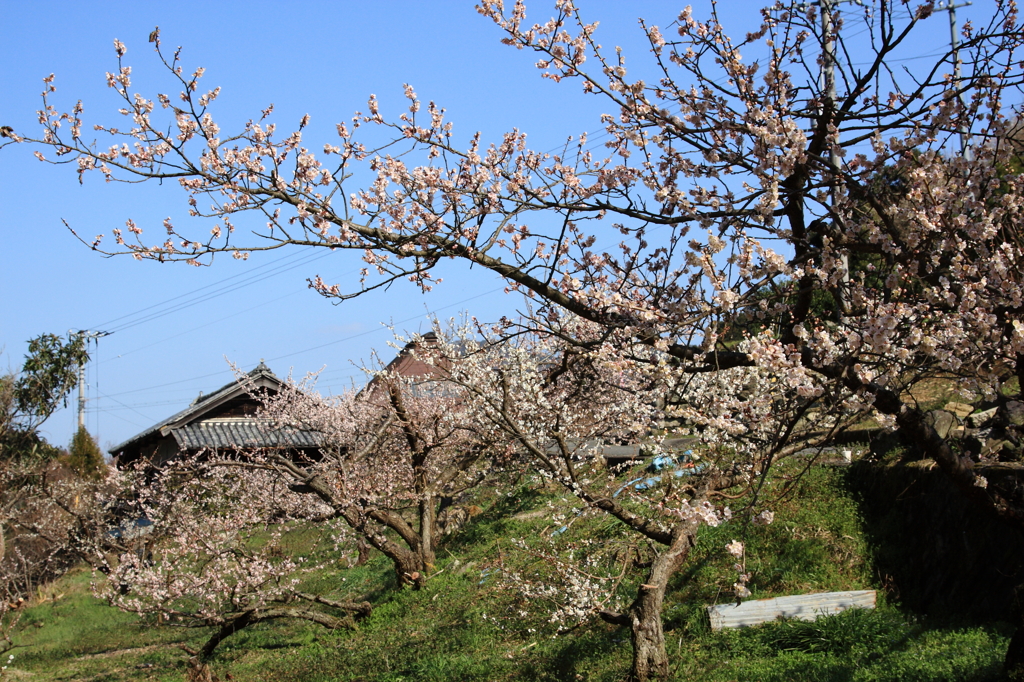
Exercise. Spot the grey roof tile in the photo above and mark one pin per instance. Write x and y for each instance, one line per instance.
(242, 433)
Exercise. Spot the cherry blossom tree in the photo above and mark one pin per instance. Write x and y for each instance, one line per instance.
(201, 541)
(561, 394)
(201, 546)
(208, 552)
(394, 458)
(728, 193)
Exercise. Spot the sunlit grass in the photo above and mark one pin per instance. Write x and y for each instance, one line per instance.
(465, 626)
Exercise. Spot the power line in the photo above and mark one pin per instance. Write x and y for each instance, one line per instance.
(218, 320)
(318, 347)
(189, 302)
(177, 298)
(162, 403)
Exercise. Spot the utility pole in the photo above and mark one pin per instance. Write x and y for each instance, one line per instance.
(828, 77)
(828, 51)
(88, 336)
(828, 70)
(81, 396)
(954, 43)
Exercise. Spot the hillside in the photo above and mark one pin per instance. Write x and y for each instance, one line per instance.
(470, 623)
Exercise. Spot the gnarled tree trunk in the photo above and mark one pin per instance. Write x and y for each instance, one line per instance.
(1013, 663)
(647, 633)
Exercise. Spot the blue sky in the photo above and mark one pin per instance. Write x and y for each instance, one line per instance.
(175, 328)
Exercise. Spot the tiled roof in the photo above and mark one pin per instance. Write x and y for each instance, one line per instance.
(242, 433)
(200, 404)
(431, 389)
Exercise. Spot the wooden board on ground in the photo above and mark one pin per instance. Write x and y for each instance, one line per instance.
(800, 606)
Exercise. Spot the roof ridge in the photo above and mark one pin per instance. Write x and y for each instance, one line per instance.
(261, 370)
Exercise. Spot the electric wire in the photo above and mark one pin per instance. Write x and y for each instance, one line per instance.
(219, 320)
(246, 273)
(312, 348)
(182, 303)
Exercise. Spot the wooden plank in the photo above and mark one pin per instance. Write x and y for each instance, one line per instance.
(800, 606)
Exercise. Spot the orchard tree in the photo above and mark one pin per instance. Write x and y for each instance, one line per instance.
(562, 392)
(209, 554)
(728, 191)
(201, 546)
(394, 458)
(53, 519)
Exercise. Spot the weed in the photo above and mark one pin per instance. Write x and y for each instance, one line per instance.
(841, 632)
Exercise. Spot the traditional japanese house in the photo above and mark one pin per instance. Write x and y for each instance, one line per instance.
(413, 365)
(224, 422)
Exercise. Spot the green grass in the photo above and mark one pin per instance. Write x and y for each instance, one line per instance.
(74, 636)
(464, 625)
(856, 646)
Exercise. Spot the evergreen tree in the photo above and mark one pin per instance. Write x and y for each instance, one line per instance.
(85, 456)
(29, 397)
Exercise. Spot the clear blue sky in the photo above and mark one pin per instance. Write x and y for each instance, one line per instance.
(176, 327)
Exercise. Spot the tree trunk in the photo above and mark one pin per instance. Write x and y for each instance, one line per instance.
(231, 627)
(248, 618)
(364, 551)
(650, 660)
(412, 562)
(200, 671)
(1013, 664)
(406, 559)
(428, 526)
(410, 569)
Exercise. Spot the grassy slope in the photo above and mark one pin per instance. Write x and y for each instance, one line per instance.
(465, 626)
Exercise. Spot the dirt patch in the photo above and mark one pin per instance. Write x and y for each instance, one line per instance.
(932, 394)
(122, 652)
(524, 516)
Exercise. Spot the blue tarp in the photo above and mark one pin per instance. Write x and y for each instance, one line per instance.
(679, 466)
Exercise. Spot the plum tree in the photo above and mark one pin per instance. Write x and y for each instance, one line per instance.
(727, 191)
